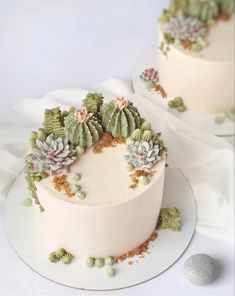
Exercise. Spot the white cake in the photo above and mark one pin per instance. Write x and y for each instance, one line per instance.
(112, 219)
(97, 179)
(205, 79)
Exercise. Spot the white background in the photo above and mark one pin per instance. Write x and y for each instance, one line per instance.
(50, 44)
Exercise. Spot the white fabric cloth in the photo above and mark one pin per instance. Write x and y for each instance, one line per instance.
(206, 161)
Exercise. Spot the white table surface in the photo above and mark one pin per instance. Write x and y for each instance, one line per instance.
(50, 44)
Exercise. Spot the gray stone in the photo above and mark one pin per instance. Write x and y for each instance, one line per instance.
(200, 269)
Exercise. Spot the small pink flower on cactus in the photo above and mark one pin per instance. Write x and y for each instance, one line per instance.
(82, 115)
(150, 75)
(121, 103)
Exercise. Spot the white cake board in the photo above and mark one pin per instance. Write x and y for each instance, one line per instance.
(33, 250)
(203, 122)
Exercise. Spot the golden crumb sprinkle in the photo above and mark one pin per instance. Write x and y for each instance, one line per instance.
(61, 183)
(139, 173)
(139, 251)
(98, 148)
(158, 88)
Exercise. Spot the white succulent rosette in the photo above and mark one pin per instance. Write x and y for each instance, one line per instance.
(54, 156)
(142, 154)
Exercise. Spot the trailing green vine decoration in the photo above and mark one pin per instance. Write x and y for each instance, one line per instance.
(31, 178)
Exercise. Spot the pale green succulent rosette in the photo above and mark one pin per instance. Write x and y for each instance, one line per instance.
(120, 117)
(82, 128)
(169, 218)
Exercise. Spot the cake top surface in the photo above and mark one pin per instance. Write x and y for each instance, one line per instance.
(201, 28)
(99, 154)
(103, 178)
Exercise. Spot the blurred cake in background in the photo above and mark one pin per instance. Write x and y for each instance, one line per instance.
(196, 54)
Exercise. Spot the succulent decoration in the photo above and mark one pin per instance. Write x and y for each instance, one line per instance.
(169, 218)
(177, 104)
(82, 129)
(52, 156)
(227, 7)
(188, 31)
(120, 117)
(53, 124)
(204, 10)
(186, 22)
(143, 154)
(93, 102)
(150, 77)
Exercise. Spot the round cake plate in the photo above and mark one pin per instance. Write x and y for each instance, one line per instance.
(33, 250)
(203, 122)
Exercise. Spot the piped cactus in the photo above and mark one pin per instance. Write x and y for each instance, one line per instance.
(53, 122)
(178, 7)
(203, 9)
(227, 7)
(93, 102)
(81, 128)
(120, 117)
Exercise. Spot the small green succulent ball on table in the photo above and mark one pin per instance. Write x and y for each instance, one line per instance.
(171, 104)
(53, 257)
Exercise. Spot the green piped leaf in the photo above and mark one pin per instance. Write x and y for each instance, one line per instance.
(130, 120)
(124, 125)
(88, 135)
(116, 130)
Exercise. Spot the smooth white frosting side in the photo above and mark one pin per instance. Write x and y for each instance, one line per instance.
(204, 80)
(113, 218)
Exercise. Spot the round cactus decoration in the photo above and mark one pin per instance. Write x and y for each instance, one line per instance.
(81, 128)
(120, 117)
(226, 7)
(203, 9)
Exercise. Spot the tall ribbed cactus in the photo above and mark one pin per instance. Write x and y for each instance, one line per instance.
(81, 128)
(53, 122)
(120, 117)
(178, 6)
(203, 9)
(226, 6)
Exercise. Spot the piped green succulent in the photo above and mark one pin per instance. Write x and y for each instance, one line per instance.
(227, 7)
(61, 255)
(120, 117)
(93, 102)
(90, 262)
(110, 271)
(99, 262)
(204, 10)
(177, 104)
(54, 122)
(82, 128)
(169, 218)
